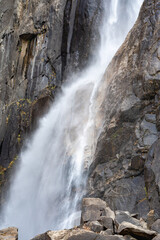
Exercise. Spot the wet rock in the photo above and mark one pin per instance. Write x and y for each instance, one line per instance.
(156, 226)
(10, 233)
(138, 232)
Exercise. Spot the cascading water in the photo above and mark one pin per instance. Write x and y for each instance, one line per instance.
(49, 183)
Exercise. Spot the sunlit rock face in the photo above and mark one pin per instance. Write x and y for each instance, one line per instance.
(131, 83)
(39, 42)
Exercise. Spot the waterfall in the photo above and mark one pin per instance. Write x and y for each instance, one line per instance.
(49, 183)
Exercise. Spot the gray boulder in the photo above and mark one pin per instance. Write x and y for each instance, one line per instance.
(95, 226)
(126, 228)
(125, 216)
(93, 209)
(107, 222)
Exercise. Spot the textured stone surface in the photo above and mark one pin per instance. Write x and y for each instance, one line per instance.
(129, 229)
(122, 216)
(10, 233)
(131, 89)
(107, 222)
(156, 226)
(152, 178)
(92, 209)
(94, 226)
(74, 234)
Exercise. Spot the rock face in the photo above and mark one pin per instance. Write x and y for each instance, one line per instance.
(10, 233)
(125, 171)
(38, 44)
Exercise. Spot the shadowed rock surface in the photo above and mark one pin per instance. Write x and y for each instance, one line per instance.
(131, 106)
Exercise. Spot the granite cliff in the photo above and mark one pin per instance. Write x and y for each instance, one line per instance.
(125, 172)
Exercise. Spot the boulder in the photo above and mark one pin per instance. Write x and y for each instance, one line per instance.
(95, 226)
(126, 228)
(125, 216)
(10, 233)
(109, 213)
(93, 209)
(156, 226)
(72, 234)
(107, 222)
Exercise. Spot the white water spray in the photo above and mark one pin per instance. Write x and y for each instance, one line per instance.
(49, 183)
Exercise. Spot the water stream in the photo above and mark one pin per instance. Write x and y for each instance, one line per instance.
(50, 182)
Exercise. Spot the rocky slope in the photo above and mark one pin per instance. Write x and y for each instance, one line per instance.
(40, 42)
(125, 171)
(99, 222)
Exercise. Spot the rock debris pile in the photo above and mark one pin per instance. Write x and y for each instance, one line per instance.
(99, 222)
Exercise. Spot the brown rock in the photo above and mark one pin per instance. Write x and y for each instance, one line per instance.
(73, 234)
(10, 233)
